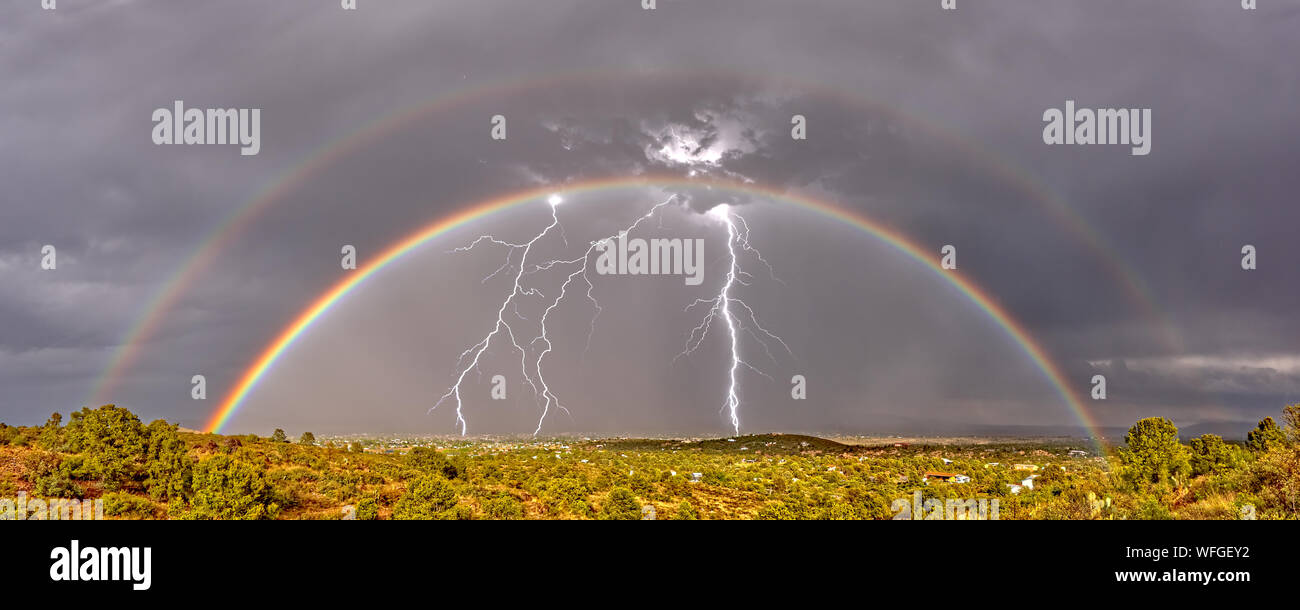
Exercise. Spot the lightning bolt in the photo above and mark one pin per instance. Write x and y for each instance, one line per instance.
(721, 306)
(542, 342)
(518, 291)
(734, 313)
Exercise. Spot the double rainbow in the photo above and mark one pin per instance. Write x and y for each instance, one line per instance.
(139, 335)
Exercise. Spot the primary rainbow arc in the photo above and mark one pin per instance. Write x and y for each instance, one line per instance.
(900, 242)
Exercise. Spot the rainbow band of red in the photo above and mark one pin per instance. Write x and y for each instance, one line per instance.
(900, 242)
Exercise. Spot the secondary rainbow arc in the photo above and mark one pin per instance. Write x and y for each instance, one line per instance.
(146, 325)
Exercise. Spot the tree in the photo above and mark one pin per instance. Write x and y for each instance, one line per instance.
(429, 497)
(503, 507)
(1265, 436)
(51, 436)
(356, 448)
(367, 508)
(1275, 474)
(52, 475)
(686, 512)
(229, 488)
(1154, 455)
(620, 505)
(113, 442)
(279, 437)
(307, 438)
(167, 463)
(568, 493)
(1210, 455)
(777, 511)
(430, 460)
(1291, 415)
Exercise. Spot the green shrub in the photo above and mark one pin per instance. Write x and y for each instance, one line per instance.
(1210, 455)
(1153, 456)
(113, 442)
(429, 497)
(1153, 510)
(168, 466)
(227, 488)
(52, 476)
(127, 506)
(429, 460)
(1266, 436)
(777, 511)
(620, 505)
(503, 507)
(50, 436)
(368, 508)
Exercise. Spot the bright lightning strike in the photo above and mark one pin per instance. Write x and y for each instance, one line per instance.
(724, 303)
(580, 266)
(721, 305)
(501, 324)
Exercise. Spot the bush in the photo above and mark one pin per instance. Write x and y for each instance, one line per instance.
(503, 508)
(839, 511)
(228, 488)
(429, 497)
(52, 476)
(1275, 479)
(51, 435)
(127, 506)
(368, 508)
(1153, 510)
(113, 442)
(777, 511)
(1210, 455)
(230, 445)
(429, 460)
(620, 505)
(1266, 436)
(567, 494)
(16, 436)
(1154, 455)
(168, 465)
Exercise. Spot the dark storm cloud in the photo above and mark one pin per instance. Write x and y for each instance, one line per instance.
(926, 121)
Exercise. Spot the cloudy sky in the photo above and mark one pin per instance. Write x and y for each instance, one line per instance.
(376, 122)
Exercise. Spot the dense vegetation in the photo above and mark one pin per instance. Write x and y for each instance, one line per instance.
(159, 471)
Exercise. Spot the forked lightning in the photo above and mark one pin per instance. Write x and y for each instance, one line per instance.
(577, 270)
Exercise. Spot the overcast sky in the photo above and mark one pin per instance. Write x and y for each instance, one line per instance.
(928, 121)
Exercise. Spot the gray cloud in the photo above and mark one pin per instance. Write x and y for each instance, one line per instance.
(924, 121)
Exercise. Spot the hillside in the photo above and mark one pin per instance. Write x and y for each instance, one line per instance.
(159, 472)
